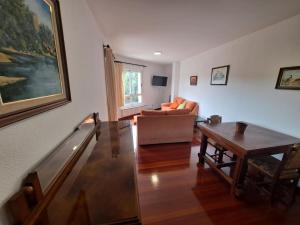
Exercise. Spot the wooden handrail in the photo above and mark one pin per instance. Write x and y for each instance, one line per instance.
(28, 205)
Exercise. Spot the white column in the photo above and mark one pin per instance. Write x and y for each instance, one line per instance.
(175, 79)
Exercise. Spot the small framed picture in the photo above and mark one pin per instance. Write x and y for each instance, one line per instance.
(193, 80)
(219, 75)
(289, 78)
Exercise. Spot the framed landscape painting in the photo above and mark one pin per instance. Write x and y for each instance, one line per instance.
(219, 75)
(289, 78)
(33, 67)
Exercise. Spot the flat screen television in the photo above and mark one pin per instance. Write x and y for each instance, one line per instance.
(159, 81)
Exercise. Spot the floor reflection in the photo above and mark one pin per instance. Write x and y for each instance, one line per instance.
(159, 157)
(80, 212)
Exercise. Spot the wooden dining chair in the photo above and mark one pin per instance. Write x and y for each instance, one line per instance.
(214, 119)
(276, 178)
(219, 150)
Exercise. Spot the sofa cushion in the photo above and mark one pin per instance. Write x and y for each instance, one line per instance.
(179, 100)
(178, 112)
(181, 106)
(174, 105)
(190, 105)
(152, 113)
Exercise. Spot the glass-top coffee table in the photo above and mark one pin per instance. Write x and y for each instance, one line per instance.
(200, 119)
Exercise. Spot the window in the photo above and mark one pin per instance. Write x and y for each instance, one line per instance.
(132, 83)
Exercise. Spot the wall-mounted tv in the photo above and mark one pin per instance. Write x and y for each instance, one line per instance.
(159, 81)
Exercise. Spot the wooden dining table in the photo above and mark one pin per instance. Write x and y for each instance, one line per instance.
(256, 141)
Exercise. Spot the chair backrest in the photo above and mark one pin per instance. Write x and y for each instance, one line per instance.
(214, 119)
(293, 159)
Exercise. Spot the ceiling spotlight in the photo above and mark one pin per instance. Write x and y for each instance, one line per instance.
(157, 53)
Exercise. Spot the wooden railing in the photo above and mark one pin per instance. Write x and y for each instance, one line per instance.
(28, 205)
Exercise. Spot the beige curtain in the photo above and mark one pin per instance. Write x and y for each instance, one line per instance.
(110, 85)
(119, 84)
(114, 84)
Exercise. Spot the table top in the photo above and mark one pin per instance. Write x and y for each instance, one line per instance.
(101, 187)
(200, 119)
(256, 138)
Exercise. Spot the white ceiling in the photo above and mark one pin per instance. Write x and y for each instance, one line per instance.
(182, 28)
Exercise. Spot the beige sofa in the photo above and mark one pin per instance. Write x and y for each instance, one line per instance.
(155, 127)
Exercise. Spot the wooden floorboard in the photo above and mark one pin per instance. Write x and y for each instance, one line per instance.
(173, 190)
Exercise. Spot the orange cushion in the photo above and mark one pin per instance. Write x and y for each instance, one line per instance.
(179, 100)
(190, 105)
(174, 105)
(178, 112)
(152, 113)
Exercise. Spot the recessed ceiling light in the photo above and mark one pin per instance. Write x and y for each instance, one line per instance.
(157, 53)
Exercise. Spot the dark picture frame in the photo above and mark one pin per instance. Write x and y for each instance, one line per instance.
(288, 78)
(193, 80)
(219, 75)
(20, 109)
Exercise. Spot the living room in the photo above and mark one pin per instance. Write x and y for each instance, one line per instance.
(149, 112)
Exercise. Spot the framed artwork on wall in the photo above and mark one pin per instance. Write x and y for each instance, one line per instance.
(219, 75)
(289, 78)
(33, 65)
(193, 80)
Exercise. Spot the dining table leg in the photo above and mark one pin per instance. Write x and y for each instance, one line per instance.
(203, 148)
(239, 176)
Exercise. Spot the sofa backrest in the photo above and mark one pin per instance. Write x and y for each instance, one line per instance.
(165, 113)
(178, 112)
(165, 129)
(153, 113)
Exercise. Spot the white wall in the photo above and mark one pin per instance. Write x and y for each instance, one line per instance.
(25, 143)
(250, 94)
(153, 96)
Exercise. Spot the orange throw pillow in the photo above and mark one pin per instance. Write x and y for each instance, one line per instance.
(190, 105)
(174, 105)
(179, 100)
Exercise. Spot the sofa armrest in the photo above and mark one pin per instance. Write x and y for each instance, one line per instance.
(195, 110)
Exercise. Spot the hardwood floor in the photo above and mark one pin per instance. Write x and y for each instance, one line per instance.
(173, 190)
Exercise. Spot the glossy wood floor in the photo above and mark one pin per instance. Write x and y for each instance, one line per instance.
(173, 190)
